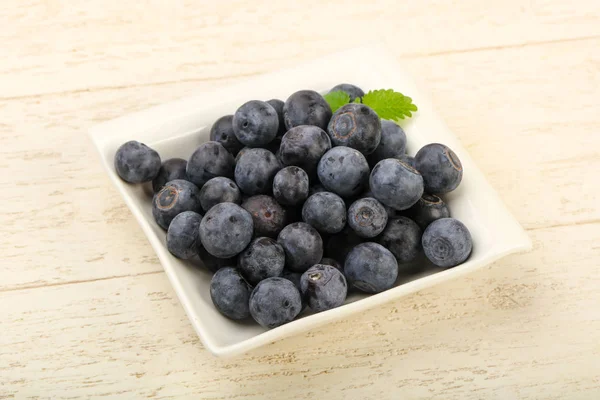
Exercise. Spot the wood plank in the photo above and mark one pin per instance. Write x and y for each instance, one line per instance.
(54, 47)
(68, 224)
(522, 328)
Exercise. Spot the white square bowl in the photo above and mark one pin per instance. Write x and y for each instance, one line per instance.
(176, 129)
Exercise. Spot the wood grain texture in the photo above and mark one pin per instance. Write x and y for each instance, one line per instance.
(81, 45)
(513, 330)
(86, 309)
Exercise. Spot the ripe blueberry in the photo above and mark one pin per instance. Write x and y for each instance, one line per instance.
(325, 211)
(429, 208)
(357, 126)
(344, 171)
(219, 190)
(268, 216)
(370, 267)
(367, 217)
(396, 184)
(447, 242)
(278, 106)
(255, 123)
(351, 90)
(255, 171)
(230, 293)
(440, 167)
(263, 258)
(208, 161)
(303, 246)
(183, 236)
(274, 302)
(222, 132)
(226, 230)
(174, 198)
(306, 107)
(392, 144)
(136, 163)
(323, 287)
(290, 186)
(304, 146)
(402, 236)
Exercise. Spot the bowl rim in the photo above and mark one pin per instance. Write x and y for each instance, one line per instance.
(103, 136)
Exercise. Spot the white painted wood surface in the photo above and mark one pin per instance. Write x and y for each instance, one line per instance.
(85, 309)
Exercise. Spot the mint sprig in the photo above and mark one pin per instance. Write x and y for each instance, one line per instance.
(388, 104)
(337, 99)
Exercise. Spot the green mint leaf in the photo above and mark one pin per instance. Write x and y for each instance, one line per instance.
(389, 104)
(337, 99)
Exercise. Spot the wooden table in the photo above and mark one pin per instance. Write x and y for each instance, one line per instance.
(85, 308)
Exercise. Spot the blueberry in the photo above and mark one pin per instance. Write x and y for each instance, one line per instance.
(239, 154)
(219, 190)
(183, 236)
(174, 198)
(306, 107)
(392, 144)
(208, 161)
(441, 169)
(351, 90)
(304, 146)
(171, 169)
(428, 209)
(370, 267)
(293, 277)
(325, 211)
(402, 236)
(255, 171)
(331, 262)
(339, 245)
(268, 216)
(230, 293)
(136, 163)
(344, 171)
(323, 287)
(255, 123)
(447, 242)
(211, 262)
(222, 132)
(406, 159)
(290, 186)
(303, 246)
(274, 302)
(367, 217)
(278, 106)
(396, 184)
(263, 258)
(226, 230)
(357, 126)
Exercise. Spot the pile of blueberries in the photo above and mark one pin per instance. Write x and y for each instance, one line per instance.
(291, 205)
